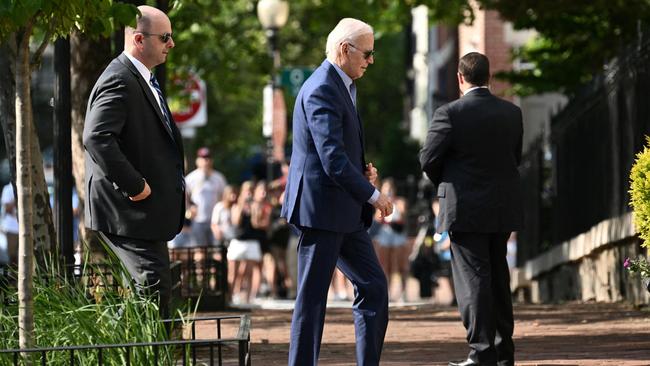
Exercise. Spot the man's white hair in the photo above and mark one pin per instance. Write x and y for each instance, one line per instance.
(348, 29)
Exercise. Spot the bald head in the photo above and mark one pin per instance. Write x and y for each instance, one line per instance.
(147, 42)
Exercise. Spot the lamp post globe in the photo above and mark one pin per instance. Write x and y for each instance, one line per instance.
(273, 14)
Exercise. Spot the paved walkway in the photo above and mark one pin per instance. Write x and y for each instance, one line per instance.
(426, 334)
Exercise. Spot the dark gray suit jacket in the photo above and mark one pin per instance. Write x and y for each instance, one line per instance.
(471, 153)
(126, 141)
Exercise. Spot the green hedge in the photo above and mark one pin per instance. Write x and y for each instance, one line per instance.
(640, 193)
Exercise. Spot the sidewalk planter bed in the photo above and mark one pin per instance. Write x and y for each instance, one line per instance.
(210, 352)
(95, 317)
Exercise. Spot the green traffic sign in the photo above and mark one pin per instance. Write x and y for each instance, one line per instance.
(293, 77)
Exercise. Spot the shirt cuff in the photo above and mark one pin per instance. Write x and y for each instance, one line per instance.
(374, 197)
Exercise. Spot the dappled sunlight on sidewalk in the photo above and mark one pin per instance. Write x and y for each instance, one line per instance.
(428, 334)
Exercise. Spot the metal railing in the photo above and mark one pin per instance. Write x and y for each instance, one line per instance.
(595, 139)
(203, 274)
(206, 351)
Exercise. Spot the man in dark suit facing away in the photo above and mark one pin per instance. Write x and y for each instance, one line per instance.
(471, 152)
(134, 158)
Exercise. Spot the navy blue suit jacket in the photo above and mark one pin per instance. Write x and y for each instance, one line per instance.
(327, 188)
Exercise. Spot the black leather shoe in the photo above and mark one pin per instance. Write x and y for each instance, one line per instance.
(467, 362)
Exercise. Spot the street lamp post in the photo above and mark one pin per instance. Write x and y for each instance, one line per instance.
(273, 15)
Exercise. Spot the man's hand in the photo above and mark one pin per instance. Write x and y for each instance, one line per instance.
(142, 195)
(371, 173)
(384, 205)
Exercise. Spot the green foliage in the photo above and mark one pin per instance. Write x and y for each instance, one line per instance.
(58, 18)
(88, 313)
(225, 44)
(576, 39)
(640, 193)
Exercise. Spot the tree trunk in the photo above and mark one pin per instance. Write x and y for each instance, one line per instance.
(88, 59)
(8, 101)
(24, 193)
(42, 225)
(43, 230)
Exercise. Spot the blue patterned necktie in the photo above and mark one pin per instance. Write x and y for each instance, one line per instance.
(161, 98)
(353, 94)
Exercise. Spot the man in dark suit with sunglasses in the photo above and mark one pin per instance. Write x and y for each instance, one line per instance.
(472, 152)
(134, 158)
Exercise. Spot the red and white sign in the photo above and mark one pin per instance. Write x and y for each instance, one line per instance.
(190, 110)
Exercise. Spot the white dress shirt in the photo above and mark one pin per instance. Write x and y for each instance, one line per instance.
(146, 74)
(475, 88)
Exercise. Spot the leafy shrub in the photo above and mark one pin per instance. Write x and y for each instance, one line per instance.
(640, 193)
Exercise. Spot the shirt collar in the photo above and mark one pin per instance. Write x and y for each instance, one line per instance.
(475, 88)
(146, 74)
(346, 79)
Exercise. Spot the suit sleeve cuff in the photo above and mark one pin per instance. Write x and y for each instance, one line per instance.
(374, 197)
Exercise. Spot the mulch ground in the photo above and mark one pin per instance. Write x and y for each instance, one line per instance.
(564, 334)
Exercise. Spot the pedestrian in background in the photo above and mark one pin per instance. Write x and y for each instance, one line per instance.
(443, 250)
(204, 187)
(391, 239)
(9, 224)
(244, 251)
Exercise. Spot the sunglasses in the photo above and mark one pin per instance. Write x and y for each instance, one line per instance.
(164, 38)
(366, 54)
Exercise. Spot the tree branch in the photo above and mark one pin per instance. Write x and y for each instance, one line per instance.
(36, 58)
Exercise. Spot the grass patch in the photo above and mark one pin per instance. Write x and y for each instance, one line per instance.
(90, 310)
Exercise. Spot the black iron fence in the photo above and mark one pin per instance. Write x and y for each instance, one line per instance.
(203, 275)
(192, 351)
(592, 148)
(532, 177)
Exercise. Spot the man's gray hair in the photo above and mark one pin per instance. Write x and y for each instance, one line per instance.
(348, 29)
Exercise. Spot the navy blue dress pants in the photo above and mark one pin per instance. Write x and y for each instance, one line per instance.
(319, 252)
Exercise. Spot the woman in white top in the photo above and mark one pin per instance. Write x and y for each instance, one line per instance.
(391, 238)
(222, 227)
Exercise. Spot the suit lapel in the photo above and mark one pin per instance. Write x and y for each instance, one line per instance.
(177, 134)
(149, 95)
(331, 72)
(351, 107)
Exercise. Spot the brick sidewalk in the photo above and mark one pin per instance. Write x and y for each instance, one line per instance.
(567, 334)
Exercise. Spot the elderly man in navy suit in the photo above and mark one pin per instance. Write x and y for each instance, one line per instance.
(330, 199)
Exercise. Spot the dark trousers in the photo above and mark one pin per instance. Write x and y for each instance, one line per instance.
(148, 264)
(482, 284)
(319, 252)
